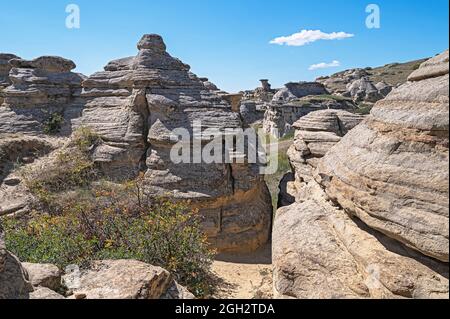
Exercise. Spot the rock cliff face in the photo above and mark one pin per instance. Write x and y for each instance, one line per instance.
(315, 134)
(371, 219)
(384, 184)
(42, 95)
(136, 103)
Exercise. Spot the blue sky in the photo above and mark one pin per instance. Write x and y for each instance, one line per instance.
(228, 41)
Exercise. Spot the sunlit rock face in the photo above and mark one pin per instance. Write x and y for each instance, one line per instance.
(136, 103)
(33, 92)
(370, 218)
(392, 170)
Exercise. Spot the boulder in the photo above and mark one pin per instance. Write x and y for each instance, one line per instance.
(319, 252)
(435, 67)
(44, 275)
(42, 293)
(383, 88)
(124, 279)
(371, 213)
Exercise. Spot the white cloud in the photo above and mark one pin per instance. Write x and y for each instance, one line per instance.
(309, 36)
(324, 65)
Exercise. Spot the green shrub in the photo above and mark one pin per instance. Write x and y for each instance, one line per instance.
(117, 222)
(53, 124)
(364, 109)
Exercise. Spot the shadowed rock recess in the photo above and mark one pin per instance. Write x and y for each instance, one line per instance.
(370, 218)
(136, 103)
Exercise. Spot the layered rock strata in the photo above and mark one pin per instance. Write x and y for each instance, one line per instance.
(42, 96)
(392, 170)
(136, 103)
(315, 134)
(371, 220)
(279, 118)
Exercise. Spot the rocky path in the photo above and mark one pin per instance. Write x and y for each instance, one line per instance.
(246, 276)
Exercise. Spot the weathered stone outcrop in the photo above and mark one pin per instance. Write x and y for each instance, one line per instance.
(124, 279)
(392, 170)
(371, 219)
(5, 67)
(279, 118)
(14, 282)
(315, 134)
(40, 91)
(44, 275)
(255, 103)
(136, 103)
(363, 90)
(294, 90)
(320, 252)
(17, 150)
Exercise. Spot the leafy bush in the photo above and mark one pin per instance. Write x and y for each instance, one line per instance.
(117, 222)
(364, 109)
(53, 124)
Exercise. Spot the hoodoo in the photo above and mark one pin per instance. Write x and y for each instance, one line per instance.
(135, 103)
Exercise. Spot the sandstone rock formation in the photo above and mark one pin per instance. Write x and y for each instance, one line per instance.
(17, 150)
(293, 91)
(363, 90)
(255, 103)
(42, 293)
(136, 103)
(5, 67)
(369, 85)
(397, 178)
(279, 118)
(371, 220)
(40, 91)
(124, 279)
(315, 134)
(14, 282)
(44, 275)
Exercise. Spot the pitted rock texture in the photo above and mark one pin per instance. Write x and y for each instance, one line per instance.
(39, 90)
(392, 170)
(136, 103)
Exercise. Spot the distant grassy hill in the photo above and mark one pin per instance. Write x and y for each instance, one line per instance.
(394, 73)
